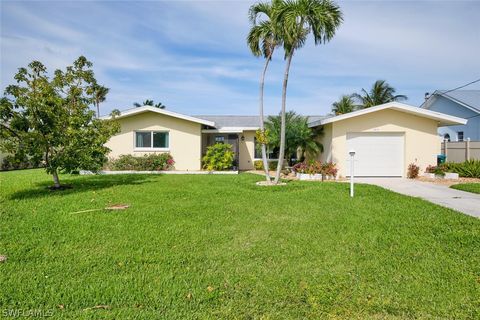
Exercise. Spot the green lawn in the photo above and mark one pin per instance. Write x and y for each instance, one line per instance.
(470, 187)
(219, 247)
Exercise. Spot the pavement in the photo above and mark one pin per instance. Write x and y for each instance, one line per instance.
(465, 202)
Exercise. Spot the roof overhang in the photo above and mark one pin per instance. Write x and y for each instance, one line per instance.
(443, 119)
(230, 130)
(135, 111)
(427, 104)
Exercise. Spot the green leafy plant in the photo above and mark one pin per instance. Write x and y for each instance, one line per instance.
(412, 171)
(219, 157)
(272, 165)
(49, 119)
(11, 162)
(150, 162)
(467, 169)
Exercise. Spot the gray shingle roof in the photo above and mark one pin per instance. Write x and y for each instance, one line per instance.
(468, 97)
(242, 121)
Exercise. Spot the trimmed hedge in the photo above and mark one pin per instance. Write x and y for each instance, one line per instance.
(149, 162)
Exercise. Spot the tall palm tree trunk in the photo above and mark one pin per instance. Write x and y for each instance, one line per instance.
(262, 122)
(281, 154)
(98, 110)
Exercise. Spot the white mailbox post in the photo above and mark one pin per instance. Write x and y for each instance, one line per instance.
(352, 159)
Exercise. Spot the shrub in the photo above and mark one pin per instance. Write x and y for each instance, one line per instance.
(316, 167)
(272, 165)
(11, 162)
(329, 169)
(467, 169)
(219, 157)
(437, 170)
(150, 162)
(413, 171)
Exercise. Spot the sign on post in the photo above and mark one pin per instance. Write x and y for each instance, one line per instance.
(352, 174)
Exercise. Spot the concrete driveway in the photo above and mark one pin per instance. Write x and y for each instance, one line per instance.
(466, 202)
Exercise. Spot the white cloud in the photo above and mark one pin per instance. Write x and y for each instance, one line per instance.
(192, 55)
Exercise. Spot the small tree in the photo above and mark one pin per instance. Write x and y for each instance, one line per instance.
(51, 120)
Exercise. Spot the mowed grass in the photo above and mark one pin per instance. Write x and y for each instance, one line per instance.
(469, 187)
(220, 247)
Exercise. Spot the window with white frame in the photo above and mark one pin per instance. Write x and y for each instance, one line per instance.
(460, 135)
(151, 140)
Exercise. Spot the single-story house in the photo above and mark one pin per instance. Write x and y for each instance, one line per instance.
(386, 138)
(459, 103)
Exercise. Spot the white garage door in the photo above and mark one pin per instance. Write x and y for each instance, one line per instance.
(377, 154)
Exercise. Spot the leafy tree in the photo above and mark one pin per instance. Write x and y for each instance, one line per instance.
(100, 94)
(263, 39)
(149, 103)
(380, 93)
(299, 138)
(51, 120)
(298, 19)
(344, 105)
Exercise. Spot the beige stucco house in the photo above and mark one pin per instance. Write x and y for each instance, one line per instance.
(386, 138)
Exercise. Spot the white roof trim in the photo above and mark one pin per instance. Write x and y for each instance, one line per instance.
(443, 119)
(134, 111)
(230, 130)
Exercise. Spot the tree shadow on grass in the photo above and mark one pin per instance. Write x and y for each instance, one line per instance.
(80, 184)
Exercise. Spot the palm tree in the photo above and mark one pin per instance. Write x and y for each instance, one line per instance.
(150, 103)
(344, 105)
(100, 95)
(159, 105)
(299, 18)
(380, 93)
(308, 139)
(300, 139)
(262, 39)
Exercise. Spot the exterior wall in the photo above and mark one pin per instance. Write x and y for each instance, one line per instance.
(421, 140)
(470, 130)
(326, 140)
(247, 150)
(185, 138)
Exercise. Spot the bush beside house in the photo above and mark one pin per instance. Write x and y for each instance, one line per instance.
(218, 157)
(150, 162)
(315, 170)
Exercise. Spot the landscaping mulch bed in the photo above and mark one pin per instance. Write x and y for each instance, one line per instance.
(449, 182)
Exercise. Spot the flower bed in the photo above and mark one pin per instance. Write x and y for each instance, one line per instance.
(315, 170)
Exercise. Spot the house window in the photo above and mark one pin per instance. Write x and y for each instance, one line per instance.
(152, 140)
(446, 137)
(460, 135)
(272, 153)
(219, 139)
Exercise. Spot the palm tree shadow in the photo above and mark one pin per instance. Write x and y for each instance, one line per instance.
(82, 184)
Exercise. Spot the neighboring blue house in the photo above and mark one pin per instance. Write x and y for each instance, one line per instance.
(460, 103)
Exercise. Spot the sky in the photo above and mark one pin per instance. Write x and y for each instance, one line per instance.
(192, 55)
